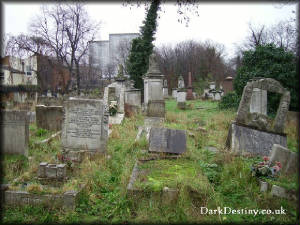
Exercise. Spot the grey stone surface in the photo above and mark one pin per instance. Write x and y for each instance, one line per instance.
(153, 82)
(61, 171)
(14, 132)
(42, 169)
(263, 186)
(85, 126)
(20, 198)
(270, 85)
(31, 116)
(133, 97)
(167, 140)
(165, 92)
(174, 93)
(259, 101)
(287, 158)
(156, 108)
(181, 96)
(153, 121)
(180, 82)
(278, 191)
(242, 138)
(51, 171)
(49, 101)
(49, 117)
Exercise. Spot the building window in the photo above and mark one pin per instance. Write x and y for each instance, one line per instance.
(1, 76)
(28, 70)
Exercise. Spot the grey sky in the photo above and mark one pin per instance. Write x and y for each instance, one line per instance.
(225, 23)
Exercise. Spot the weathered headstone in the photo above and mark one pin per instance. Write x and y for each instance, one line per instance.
(49, 117)
(174, 93)
(180, 82)
(243, 138)
(287, 158)
(258, 101)
(14, 130)
(254, 132)
(181, 99)
(153, 83)
(167, 140)
(85, 127)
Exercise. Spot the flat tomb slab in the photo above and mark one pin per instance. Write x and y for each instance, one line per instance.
(167, 140)
(161, 177)
(242, 138)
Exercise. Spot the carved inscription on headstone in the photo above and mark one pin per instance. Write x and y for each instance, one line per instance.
(85, 125)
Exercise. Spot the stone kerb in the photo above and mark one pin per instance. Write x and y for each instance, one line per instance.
(245, 117)
(85, 127)
(14, 132)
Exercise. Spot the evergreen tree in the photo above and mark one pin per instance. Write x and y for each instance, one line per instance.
(142, 47)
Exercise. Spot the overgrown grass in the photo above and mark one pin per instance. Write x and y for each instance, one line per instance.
(220, 179)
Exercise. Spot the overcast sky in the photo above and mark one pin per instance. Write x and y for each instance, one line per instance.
(225, 23)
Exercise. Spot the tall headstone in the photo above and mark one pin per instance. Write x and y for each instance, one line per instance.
(14, 130)
(189, 94)
(153, 84)
(85, 127)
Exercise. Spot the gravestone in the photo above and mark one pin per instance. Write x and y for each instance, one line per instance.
(181, 99)
(132, 102)
(85, 127)
(167, 140)
(174, 93)
(259, 101)
(49, 117)
(180, 82)
(153, 83)
(255, 132)
(287, 158)
(14, 130)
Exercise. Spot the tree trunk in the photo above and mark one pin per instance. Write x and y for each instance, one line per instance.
(78, 78)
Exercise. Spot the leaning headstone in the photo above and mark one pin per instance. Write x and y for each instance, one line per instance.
(167, 140)
(85, 127)
(287, 158)
(254, 132)
(14, 128)
(49, 117)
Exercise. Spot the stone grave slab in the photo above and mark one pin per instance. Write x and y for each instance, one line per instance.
(14, 132)
(245, 139)
(167, 140)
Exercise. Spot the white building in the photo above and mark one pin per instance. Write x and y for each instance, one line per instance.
(107, 55)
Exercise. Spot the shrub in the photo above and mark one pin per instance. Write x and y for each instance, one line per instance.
(229, 101)
(270, 62)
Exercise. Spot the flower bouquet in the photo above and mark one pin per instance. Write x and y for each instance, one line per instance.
(266, 168)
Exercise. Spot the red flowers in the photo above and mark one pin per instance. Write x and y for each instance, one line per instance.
(266, 158)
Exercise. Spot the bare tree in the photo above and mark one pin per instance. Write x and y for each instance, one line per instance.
(67, 30)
